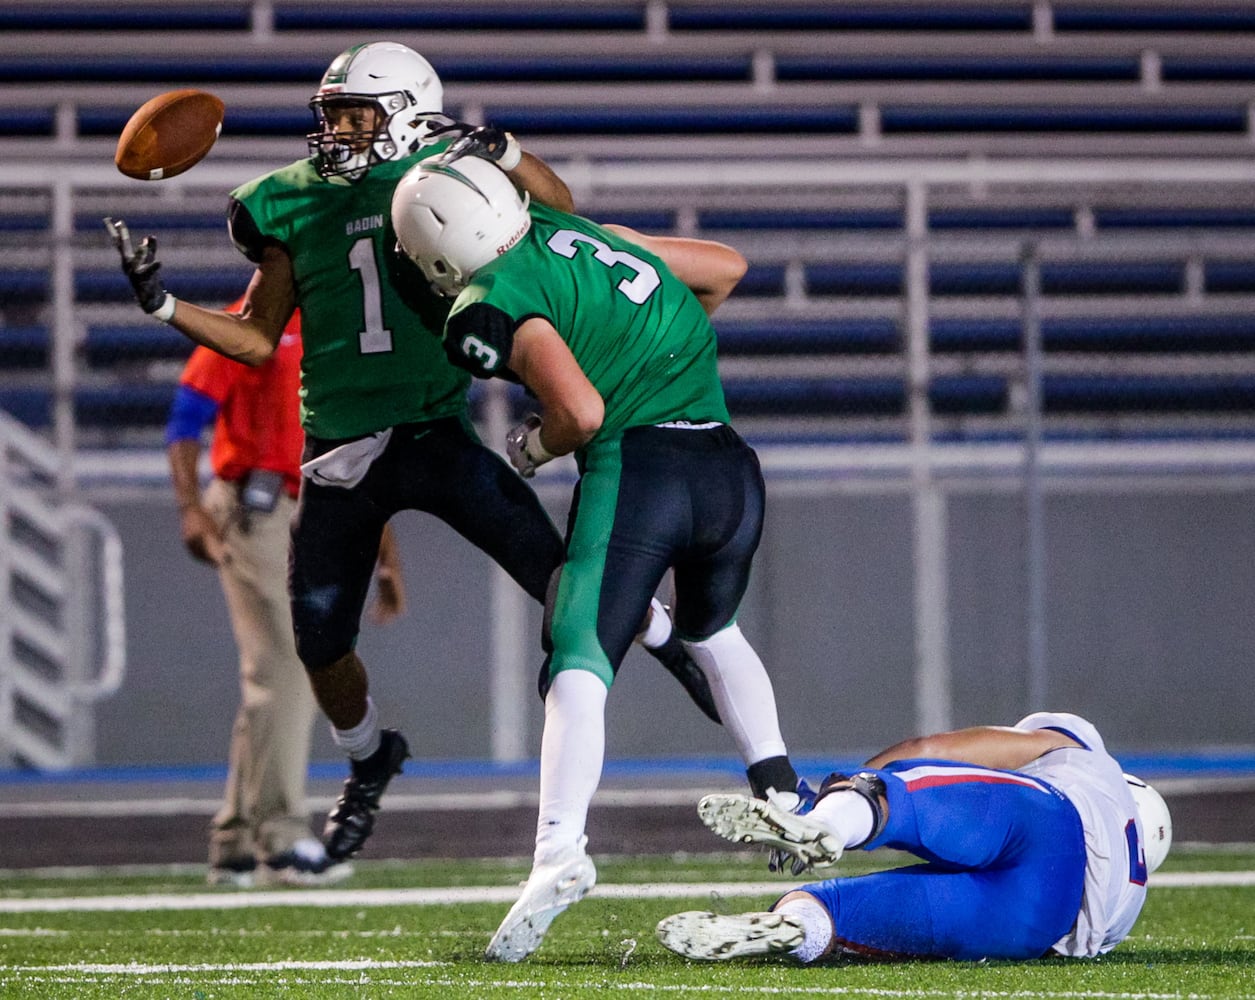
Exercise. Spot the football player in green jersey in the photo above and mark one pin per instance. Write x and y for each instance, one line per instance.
(618, 349)
(385, 413)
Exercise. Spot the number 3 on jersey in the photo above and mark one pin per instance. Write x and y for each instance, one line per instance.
(637, 289)
(376, 338)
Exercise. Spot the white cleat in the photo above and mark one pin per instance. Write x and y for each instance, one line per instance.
(713, 937)
(744, 820)
(549, 890)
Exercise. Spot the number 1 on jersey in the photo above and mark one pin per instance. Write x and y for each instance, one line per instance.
(376, 338)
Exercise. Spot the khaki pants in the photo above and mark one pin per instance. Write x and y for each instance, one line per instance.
(263, 811)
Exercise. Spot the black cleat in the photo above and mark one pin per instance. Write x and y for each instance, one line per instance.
(672, 655)
(353, 818)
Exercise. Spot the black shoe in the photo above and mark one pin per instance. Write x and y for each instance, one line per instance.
(353, 818)
(305, 863)
(236, 872)
(671, 654)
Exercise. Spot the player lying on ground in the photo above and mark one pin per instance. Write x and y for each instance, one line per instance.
(1033, 843)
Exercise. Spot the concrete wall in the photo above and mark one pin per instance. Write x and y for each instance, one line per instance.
(1149, 631)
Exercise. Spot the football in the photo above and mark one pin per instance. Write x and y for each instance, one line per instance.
(169, 134)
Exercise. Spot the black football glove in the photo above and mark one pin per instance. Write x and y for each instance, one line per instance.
(488, 143)
(141, 267)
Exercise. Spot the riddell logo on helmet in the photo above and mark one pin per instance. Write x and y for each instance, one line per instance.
(518, 235)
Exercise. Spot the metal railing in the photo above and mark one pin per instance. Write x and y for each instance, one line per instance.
(62, 615)
(926, 466)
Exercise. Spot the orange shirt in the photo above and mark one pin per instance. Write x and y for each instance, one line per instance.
(258, 424)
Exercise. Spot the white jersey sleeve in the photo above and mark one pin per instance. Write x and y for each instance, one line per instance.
(1115, 868)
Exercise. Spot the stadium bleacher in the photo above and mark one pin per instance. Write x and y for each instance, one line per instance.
(817, 329)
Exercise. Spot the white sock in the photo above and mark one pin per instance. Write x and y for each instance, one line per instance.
(816, 926)
(363, 739)
(846, 815)
(571, 753)
(658, 630)
(742, 692)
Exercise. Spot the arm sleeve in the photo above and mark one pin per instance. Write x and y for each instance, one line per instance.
(190, 413)
(479, 339)
(245, 233)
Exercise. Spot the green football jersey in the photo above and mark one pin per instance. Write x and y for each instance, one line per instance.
(369, 322)
(639, 334)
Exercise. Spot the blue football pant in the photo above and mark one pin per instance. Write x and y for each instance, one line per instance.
(1003, 872)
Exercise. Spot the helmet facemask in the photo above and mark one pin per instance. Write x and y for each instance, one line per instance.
(400, 89)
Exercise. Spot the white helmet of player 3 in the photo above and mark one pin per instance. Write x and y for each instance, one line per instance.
(453, 218)
(401, 87)
(1156, 821)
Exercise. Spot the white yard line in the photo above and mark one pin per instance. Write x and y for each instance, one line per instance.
(425, 802)
(468, 894)
(366, 975)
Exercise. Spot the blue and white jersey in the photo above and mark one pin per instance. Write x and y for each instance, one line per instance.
(1115, 868)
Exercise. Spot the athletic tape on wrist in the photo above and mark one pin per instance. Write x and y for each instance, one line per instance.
(534, 449)
(165, 311)
(512, 156)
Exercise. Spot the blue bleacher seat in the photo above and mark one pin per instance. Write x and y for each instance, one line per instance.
(32, 407)
(1005, 16)
(1185, 17)
(217, 286)
(688, 119)
(902, 119)
(1148, 334)
(762, 279)
(170, 219)
(1001, 217)
(794, 219)
(146, 405)
(294, 122)
(1090, 277)
(125, 17)
(1206, 69)
(594, 68)
(814, 396)
(19, 285)
(1134, 393)
(854, 278)
(384, 16)
(161, 70)
(1134, 333)
(25, 122)
(1169, 217)
(954, 394)
(954, 334)
(871, 335)
(966, 69)
(24, 347)
(105, 345)
(1229, 275)
(644, 220)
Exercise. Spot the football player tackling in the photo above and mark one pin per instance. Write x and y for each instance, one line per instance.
(618, 348)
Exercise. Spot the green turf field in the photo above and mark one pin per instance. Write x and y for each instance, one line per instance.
(162, 934)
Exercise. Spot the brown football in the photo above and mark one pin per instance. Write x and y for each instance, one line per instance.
(169, 134)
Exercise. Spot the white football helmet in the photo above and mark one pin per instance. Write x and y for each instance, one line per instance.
(404, 90)
(453, 218)
(1156, 821)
